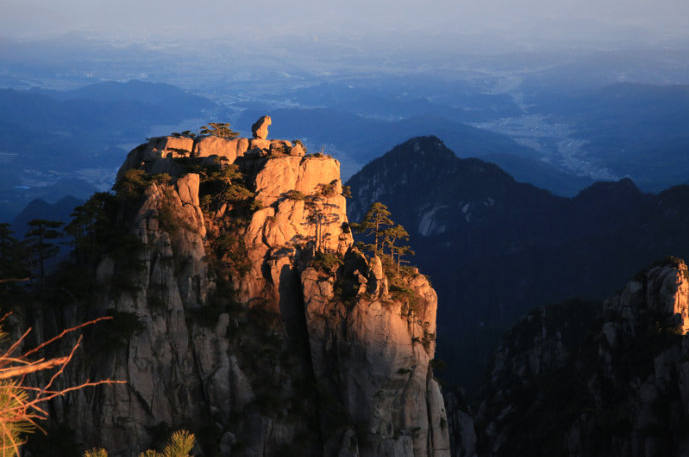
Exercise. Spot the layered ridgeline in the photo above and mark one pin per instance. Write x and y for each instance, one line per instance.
(595, 379)
(496, 247)
(243, 313)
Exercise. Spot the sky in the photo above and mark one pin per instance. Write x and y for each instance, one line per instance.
(536, 22)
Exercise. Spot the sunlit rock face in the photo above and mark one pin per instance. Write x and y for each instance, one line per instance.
(221, 147)
(260, 127)
(595, 379)
(259, 326)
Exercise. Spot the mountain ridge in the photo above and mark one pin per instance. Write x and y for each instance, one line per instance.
(474, 227)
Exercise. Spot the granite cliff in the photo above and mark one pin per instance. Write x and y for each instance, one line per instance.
(243, 312)
(595, 379)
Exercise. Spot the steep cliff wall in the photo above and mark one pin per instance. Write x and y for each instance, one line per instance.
(250, 318)
(586, 379)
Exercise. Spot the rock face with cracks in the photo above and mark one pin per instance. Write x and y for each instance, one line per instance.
(258, 326)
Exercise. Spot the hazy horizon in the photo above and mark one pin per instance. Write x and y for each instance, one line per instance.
(439, 25)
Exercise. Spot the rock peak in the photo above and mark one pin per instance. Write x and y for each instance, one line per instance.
(662, 290)
(259, 321)
(260, 128)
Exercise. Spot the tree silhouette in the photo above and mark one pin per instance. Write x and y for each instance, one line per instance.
(12, 256)
(219, 129)
(378, 224)
(90, 227)
(376, 220)
(39, 241)
(393, 235)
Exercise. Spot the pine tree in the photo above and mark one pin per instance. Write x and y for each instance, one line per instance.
(376, 220)
(39, 241)
(386, 235)
(393, 235)
(13, 265)
(90, 226)
(219, 129)
(320, 213)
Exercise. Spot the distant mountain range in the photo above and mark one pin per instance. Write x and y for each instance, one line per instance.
(60, 211)
(54, 143)
(495, 247)
(356, 139)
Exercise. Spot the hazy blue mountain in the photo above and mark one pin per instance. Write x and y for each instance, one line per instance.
(164, 96)
(52, 142)
(14, 199)
(495, 247)
(40, 209)
(355, 140)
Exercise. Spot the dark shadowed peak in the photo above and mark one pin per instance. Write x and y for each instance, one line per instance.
(624, 186)
(422, 148)
(433, 191)
(429, 153)
(622, 192)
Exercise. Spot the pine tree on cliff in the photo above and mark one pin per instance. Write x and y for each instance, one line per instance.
(386, 234)
(376, 220)
(90, 227)
(39, 241)
(12, 257)
(321, 213)
(391, 236)
(219, 129)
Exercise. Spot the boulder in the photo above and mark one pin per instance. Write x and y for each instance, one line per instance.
(157, 150)
(177, 146)
(259, 143)
(222, 147)
(297, 150)
(260, 128)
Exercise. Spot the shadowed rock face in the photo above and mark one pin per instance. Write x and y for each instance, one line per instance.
(260, 327)
(592, 379)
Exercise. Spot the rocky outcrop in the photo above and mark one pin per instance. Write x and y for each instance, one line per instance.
(251, 319)
(260, 128)
(221, 147)
(367, 352)
(611, 384)
(161, 154)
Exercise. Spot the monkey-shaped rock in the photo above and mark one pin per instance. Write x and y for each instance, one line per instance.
(260, 128)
